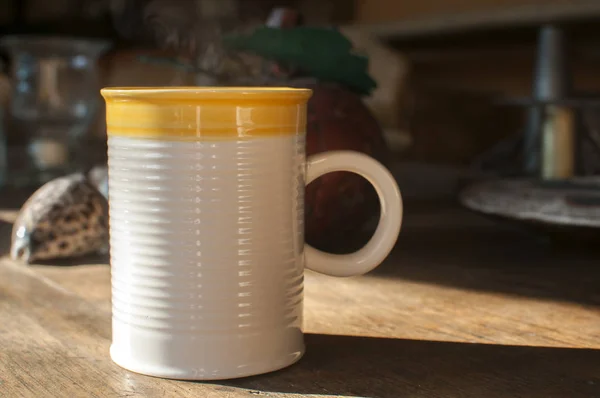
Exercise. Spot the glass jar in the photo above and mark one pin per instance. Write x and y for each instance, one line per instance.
(54, 99)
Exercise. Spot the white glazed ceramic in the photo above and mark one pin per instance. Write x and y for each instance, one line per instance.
(206, 193)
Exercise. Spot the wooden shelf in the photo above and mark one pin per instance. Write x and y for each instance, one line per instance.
(496, 18)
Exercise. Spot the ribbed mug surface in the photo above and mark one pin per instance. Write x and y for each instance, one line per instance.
(206, 226)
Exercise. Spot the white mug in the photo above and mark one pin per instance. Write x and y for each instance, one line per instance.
(206, 196)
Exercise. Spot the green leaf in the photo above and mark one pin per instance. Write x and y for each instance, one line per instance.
(323, 53)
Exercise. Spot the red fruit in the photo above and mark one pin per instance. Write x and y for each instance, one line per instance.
(339, 205)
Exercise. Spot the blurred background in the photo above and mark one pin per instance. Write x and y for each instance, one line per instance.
(491, 103)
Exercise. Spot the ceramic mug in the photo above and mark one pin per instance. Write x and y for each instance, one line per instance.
(206, 195)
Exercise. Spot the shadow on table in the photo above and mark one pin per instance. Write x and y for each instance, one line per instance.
(379, 367)
(459, 249)
(5, 236)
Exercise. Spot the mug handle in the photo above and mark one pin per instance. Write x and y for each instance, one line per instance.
(390, 219)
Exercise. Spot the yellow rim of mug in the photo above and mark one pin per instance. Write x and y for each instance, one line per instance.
(205, 113)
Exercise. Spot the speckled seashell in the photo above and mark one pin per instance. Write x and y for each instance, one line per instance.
(66, 217)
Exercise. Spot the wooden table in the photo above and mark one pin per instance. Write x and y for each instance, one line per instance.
(463, 308)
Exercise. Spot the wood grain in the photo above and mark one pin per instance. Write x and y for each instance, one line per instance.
(391, 19)
(390, 10)
(462, 308)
